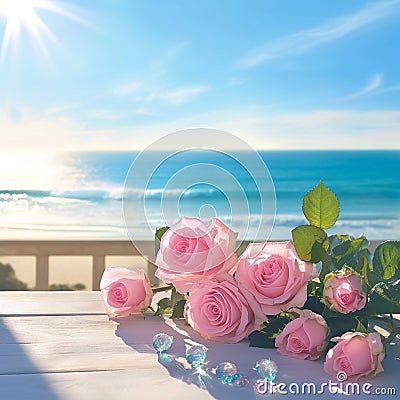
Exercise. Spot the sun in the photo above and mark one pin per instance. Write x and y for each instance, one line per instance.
(22, 16)
(17, 10)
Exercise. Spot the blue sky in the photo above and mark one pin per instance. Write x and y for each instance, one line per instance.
(118, 74)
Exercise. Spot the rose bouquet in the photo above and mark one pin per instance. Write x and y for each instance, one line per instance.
(316, 296)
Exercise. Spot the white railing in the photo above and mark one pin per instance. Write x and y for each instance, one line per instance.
(42, 250)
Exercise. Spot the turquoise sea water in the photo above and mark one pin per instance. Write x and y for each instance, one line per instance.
(86, 202)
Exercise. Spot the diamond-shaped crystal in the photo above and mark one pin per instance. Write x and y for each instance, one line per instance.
(162, 342)
(196, 355)
(239, 380)
(267, 369)
(225, 371)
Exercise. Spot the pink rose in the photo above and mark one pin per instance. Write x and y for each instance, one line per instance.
(304, 337)
(125, 291)
(191, 251)
(274, 274)
(356, 354)
(218, 310)
(343, 291)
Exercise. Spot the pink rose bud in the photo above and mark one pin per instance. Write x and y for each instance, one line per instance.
(355, 355)
(304, 337)
(125, 291)
(218, 310)
(274, 274)
(343, 291)
(191, 251)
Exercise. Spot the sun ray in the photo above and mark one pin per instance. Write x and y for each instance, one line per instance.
(22, 15)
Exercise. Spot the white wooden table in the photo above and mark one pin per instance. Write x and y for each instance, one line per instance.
(61, 345)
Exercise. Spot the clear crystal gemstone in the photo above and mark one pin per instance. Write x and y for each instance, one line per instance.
(267, 369)
(196, 355)
(239, 380)
(162, 342)
(225, 371)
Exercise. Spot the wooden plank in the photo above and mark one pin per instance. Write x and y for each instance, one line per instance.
(50, 303)
(155, 383)
(55, 303)
(65, 351)
(82, 355)
(75, 343)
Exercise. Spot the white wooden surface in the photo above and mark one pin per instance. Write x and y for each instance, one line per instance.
(61, 345)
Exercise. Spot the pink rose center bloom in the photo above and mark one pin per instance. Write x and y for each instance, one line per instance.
(345, 293)
(295, 344)
(117, 295)
(182, 246)
(272, 268)
(213, 312)
(272, 275)
(343, 364)
(347, 298)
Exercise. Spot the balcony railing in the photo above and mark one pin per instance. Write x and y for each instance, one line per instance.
(42, 250)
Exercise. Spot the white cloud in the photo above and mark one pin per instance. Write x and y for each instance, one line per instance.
(315, 129)
(104, 115)
(265, 129)
(127, 88)
(261, 127)
(177, 96)
(389, 89)
(372, 85)
(39, 130)
(149, 91)
(144, 111)
(155, 86)
(333, 29)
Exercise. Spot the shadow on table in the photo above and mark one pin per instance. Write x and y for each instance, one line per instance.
(20, 378)
(138, 333)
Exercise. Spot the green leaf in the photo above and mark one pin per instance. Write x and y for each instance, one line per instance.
(178, 302)
(384, 299)
(386, 260)
(164, 306)
(361, 327)
(338, 325)
(348, 251)
(173, 305)
(312, 288)
(313, 303)
(158, 235)
(179, 307)
(266, 337)
(261, 339)
(310, 243)
(366, 269)
(321, 206)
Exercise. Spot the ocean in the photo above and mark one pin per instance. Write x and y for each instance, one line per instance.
(84, 200)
